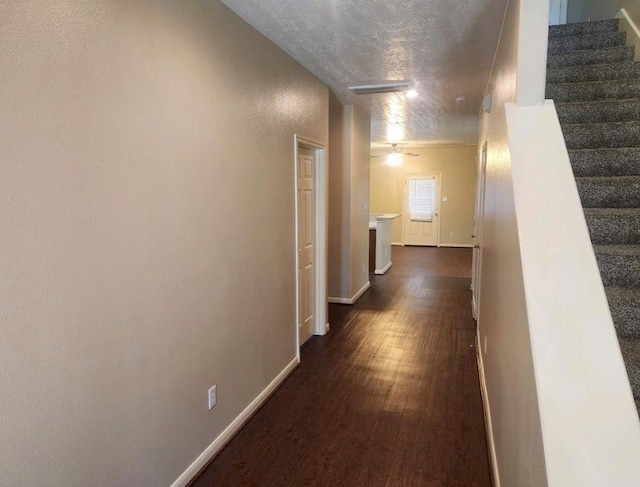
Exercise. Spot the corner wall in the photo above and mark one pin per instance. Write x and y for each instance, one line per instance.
(349, 153)
(147, 206)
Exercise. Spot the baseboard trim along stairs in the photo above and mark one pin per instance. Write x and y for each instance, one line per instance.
(595, 85)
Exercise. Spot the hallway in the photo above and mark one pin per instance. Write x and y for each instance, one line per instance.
(390, 397)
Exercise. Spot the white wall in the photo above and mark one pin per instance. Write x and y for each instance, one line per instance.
(350, 140)
(147, 207)
(559, 403)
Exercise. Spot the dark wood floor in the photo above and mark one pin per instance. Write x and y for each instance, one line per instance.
(390, 397)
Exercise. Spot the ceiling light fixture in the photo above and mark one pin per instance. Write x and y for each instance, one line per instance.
(394, 158)
(460, 99)
(411, 94)
(386, 87)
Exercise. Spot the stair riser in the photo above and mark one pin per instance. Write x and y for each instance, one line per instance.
(588, 57)
(601, 136)
(605, 162)
(614, 229)
(597, 72)
(633, 372)
(597, 195)
(607, 90)
(631, 356)
(626, 318)
(595, 112)
(584, 28)
(593, 41)
(619, 270)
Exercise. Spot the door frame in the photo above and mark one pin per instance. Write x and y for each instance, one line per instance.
(321, 234)
(476, 266)
(405, 198)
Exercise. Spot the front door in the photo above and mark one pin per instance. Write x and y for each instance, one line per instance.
(421, 215)
(306, 243)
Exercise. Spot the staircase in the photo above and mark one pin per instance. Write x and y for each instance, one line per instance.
(595, 85)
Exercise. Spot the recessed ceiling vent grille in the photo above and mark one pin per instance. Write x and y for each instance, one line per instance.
(387, 87)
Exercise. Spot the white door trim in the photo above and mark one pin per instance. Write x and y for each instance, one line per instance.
(322, 210)
(478, 230)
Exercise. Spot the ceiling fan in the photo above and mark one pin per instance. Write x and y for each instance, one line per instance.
(395, 156)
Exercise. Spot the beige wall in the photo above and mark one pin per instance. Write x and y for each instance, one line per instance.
(633, 9)
(360, 170)
(457, 166)
(350, 140)
(147, 209)
(584, 10)
(339, 253)
(508, 361)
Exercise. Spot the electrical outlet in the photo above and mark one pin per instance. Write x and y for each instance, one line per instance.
(451, 234)
(485, 344)
(213, 399)
(364, 267)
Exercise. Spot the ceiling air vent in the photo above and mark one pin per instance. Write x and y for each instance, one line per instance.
(388, 87)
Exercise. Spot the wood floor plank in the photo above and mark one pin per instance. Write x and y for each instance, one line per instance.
(390, 397)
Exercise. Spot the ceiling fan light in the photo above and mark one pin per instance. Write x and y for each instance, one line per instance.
(394, 159)
(411, 94)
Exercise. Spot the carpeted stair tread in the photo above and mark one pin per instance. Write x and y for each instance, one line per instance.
(630, 348)
(621, 161)
(609, 191)
(595, 85)
(582, 28)
(609, 226)
(594, 90)
(589, 41)
(594, 72)
(619, 264)
(601, 135)
(599, 111)
(590, 56)
(624, 304)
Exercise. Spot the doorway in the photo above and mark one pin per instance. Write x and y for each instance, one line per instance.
(476, 270)
(310, 240)
(421, 210)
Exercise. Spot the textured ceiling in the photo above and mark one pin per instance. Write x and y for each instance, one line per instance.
(445, 46)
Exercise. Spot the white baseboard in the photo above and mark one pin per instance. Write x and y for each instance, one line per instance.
(399, 244)
(353, 299)
(224, 437)
(458, 246)
(495, 473)
(628, 25)
(383, 270)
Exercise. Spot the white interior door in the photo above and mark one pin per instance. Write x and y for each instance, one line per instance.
(306, 244)
(421, 214)
(479, 222)
(557, 12)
